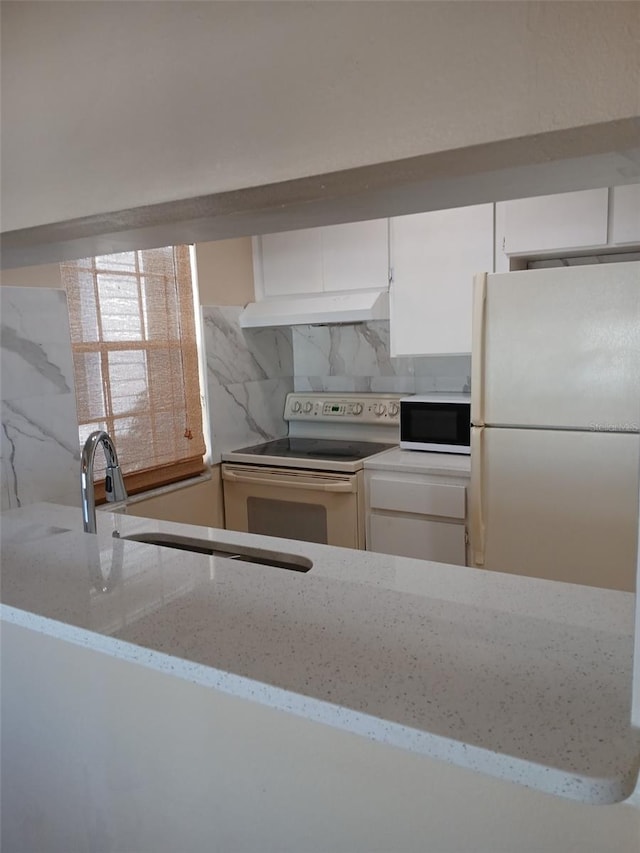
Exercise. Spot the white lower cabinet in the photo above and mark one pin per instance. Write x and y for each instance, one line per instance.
(424, 539)
(416, 515)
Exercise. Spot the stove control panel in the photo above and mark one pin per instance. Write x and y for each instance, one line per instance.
(347, 408)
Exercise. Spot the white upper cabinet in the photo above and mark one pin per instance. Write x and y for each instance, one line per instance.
(326, 259)
(434, 257)
(288, 263)
(556, 223)
(356, 255)
(625, 215)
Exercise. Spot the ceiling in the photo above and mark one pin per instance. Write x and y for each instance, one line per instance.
(141, 124)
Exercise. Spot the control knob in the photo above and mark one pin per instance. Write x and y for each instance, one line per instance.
(357, 408)
(296, 406)
(307, 407)
(394, 408)
(379, 409)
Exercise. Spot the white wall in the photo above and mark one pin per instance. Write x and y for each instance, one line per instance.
(108, 106)
(105, 755)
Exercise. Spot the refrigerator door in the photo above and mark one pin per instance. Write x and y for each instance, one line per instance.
(558, 348)
(561, 505)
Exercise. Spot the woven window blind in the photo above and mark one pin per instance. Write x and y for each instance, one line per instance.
(136, 363)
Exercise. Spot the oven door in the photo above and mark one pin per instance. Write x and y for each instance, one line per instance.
(307, 505)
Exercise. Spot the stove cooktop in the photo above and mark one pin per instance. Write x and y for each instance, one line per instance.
(331, 450)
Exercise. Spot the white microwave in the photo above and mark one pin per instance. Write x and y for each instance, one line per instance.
(440, 423)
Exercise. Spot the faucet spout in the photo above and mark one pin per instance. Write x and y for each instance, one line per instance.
(113, 485)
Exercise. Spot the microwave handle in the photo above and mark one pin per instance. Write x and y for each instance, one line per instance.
(281, 482)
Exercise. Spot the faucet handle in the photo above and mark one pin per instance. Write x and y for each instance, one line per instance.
(114, 487)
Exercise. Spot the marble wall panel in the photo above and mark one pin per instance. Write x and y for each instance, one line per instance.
(40, 451)
(36, 348)
(247, 413)
(356, 357)
(443, 373)
(249, 374)
(238, 355)
(355, 349)
(39, 442)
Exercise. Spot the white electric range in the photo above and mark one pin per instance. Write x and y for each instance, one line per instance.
(309, 485)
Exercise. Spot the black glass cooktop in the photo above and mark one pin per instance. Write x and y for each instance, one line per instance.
(317, 448)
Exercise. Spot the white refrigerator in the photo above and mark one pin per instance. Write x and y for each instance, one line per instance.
(555, 412)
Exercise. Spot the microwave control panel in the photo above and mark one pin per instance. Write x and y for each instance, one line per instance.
(345, 408)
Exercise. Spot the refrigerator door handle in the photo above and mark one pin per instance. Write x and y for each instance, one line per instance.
(476, 522)
(478, 348)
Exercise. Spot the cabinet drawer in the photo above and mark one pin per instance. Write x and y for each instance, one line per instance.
(417, 498)
(439, 541)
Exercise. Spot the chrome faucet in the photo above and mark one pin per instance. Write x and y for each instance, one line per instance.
(113, 484)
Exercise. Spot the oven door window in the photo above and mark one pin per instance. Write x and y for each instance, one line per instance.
(309, 506)
(287, 519)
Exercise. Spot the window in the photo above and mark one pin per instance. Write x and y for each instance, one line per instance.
(136, 361)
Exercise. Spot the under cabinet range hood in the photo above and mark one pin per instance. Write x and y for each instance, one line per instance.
(353, 306)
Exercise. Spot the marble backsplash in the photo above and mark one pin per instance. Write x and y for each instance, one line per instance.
(249, 374)
(250, 371)
(357, 357)
(39, 444)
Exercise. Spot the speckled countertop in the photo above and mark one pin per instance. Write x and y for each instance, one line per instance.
(419, 462)
(524, 679)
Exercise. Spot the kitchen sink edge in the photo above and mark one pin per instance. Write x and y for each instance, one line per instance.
(248, 554)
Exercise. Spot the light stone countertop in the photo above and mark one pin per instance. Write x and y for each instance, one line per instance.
(420, 462)
(524, 679)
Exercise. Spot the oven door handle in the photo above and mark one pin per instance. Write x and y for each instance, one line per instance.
(284, 482)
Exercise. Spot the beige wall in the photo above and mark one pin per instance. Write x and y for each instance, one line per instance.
(46, 275)
(225, 272)
(244, 94)
(200, 503)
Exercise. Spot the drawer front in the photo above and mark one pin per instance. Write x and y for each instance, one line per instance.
(439, 541)
(417, 498)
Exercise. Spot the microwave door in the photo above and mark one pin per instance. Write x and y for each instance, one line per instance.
(437, 426)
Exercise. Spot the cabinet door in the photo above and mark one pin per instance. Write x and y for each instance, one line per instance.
(420, 538)
(434, 257)
(625, 215)
(556, 222)
(356, 255)
(291, 262)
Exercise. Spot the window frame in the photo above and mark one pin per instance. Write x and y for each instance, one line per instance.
(185, 344)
